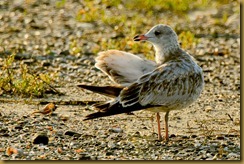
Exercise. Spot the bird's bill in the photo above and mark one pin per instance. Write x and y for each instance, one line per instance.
(140, 38)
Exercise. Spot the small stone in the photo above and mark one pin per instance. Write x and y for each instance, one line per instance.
(45, 63)
(210, 158)
(220, 137)
(20, 56)
(208, 108)
(84, 157)
(172, 136)
(65, 52)
(41, 139)
(202, 152)
(184, 137)
(59, 150)
(109, 153)
(226, 149)
(230, 143)
(11, 150)
(175, 151)
(167, 158)
(137, 134)
(233, 155)
(64, 118)
(193, 136)
(18, 127)
(223, 144)
(116, 130)
(70, 133)
(111, 144)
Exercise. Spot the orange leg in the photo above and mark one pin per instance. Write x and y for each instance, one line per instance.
(166, 118)
(159, 128)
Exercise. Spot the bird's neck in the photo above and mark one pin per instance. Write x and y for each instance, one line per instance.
(165, 52)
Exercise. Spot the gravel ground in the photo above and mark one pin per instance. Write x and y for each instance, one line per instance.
(41, 34)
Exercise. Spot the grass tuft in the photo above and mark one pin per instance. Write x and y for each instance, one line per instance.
(20, 81)
(187, 39)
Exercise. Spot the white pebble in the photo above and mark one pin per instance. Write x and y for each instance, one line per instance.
(116, 130)
(233, 155)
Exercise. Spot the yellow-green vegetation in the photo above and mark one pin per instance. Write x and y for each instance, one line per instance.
(187, 39)
(178, 6)
(222, 20)
(128, 18)
(60, 3)
(18, 80)
(74, 47)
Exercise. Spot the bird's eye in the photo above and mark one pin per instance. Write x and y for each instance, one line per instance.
(157, 33)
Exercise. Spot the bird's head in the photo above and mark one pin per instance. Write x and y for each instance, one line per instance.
(159, 35)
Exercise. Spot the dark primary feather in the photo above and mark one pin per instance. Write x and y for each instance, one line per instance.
(113, 108)
(111, 91)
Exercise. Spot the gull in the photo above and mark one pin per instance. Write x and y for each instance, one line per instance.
(172, 82)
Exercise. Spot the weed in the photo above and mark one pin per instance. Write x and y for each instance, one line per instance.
(20, 81)
(60, 3)
(74, 47)
(221, 21)
(187, 39)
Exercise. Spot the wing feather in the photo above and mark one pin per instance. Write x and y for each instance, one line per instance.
(164, 86)
(122, 67)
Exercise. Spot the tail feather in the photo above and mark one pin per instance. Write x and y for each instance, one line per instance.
(109, 109)
(100, 106)
(104, 109)
(110, 91)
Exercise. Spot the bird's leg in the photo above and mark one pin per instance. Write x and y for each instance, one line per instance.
(166, 118)
(159, 128)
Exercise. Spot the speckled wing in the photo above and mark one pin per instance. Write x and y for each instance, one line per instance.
(168, 86)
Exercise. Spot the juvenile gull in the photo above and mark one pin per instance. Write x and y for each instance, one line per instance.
(173, 82)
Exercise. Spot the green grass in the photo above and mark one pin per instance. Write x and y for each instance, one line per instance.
(60, 3)
(20, 81)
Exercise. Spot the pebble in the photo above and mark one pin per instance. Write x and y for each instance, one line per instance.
(226, 149)
(71, 133)
(116, 130)
(220, 137)
(18, 127)
(41, 138)
(111, 144)
(193, 136)
(233, 155)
